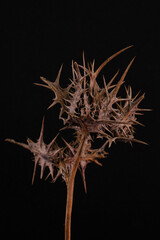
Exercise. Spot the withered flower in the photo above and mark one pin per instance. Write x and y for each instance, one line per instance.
(92, 112)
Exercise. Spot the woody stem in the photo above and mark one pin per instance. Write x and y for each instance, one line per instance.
(70, 190)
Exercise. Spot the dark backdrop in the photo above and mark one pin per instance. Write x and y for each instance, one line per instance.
(123, 195)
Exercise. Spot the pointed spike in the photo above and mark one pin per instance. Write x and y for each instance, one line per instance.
(84, 64)
(139, 141)
(112, 79)
(95, 161)
(42, 169)
(72, 82)
(47, 176)
(41, 85)
(134, 108)
(44, 79)
(144, 109)
(69, 146)
(58, 174)
(34, 171)
(122, 78)
(107, 129)
(111, 140)
(139, 113)
(136, 122)
(122, 99)
(52, 142)
(136, 95)
(73, 71)
(126, 90)
(131, 139)
(51, 105)
(89, 69)
(50, 84)
(130, 92)
(120, 107)
(58, 76)
(30, 142)
(139, 99)
(109, 59)
(92, 66)
(42, 132)
(50, 172)
(103, 147)
(77, 70)
(112, 86)
(87, 72)
(17, 143)
(83, 168)
(106, 89)
(84, 181)
(51, 169)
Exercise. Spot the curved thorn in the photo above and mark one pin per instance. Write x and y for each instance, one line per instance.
(122, 78)
(108, 60)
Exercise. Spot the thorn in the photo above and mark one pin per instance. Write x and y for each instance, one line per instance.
(52, 142)
(69, 146)
(47, 176)
(95, 161)
(103, 147)
(73, 72)
(83, 62)
(136, 122)
(115, 91)
(139, 141)
(92, 66)
(58, 174)
(51, 105)
(44, 79)
(17, 143)
(42, 169)
(109, 59)
(85, 70)
(34, 171)
(84, 178)
(120, 107)
(41, 133)
(51, 85)
(144, 109)
(77, 70)
(41, 85)
(58, 76)
(106, 89)
(112, 79)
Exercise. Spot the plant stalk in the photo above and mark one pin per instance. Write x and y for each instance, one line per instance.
(70, 190)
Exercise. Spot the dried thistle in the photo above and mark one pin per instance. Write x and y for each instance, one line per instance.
(92, 112)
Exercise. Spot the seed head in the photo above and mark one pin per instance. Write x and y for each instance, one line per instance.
(86, 107)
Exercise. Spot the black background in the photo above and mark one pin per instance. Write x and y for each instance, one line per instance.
(123, 195)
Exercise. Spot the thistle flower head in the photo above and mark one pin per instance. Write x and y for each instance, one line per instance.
(86, 107)
(97, 110)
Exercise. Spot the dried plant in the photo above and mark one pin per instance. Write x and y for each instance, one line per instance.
(92, 112)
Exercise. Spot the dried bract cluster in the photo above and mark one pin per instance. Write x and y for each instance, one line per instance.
(86, 108)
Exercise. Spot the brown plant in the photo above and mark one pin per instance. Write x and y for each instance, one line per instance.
(92, 112)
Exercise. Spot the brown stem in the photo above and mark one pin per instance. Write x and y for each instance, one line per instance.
(70, 190)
